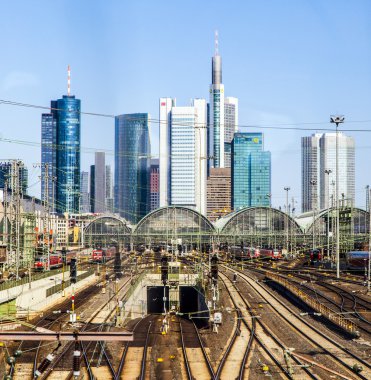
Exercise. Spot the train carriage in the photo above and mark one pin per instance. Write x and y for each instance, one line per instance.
(357, 259)
(41, 263)
(270, 253)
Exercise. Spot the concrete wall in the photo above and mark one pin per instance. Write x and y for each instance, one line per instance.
(33, 300)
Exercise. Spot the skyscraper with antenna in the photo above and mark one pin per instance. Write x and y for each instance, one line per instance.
(60, 149)
(216, 110)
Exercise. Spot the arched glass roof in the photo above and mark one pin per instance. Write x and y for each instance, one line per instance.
(253, 220)
(359, 221)
(174, 222)
(106, 230)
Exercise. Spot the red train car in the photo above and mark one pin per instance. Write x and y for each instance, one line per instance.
(102, 255)
(357, 260)
(41, 263)
(315, 255)
(270, 253)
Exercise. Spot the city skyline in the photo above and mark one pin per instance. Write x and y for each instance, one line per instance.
(316, 81)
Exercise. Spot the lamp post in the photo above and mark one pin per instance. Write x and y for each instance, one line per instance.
(313, 182)
(337, 119)
(287, 217)
(328, 172)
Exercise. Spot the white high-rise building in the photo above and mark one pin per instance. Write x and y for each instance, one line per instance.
(100, 182)
(183, 154)
(319, 156)
(230, 126)
(166, 105)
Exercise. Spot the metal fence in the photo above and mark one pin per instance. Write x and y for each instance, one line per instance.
(325, 311)
(59, 287)
(25, 280)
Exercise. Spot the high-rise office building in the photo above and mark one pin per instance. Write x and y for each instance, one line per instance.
(251, 171)
(100, 182)
(216, 112)
(155, 184)
(92, 188)
(65, 139)
(6, 176)
(319, 170)
(48, 155)
(109, 190)
(183, 154)
(132, 165)
(230, 127)
(166, 105)
(84, 199)
(218, 193)
(310, 160)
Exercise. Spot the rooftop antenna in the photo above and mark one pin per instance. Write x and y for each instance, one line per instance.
(68, 80)
(216, 43)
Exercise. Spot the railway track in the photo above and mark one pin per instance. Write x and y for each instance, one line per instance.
(272, 347)
(193, 348)
(338, 354)
(69, 347)
(348, 304)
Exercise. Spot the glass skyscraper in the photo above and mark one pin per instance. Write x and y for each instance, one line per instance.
(132, 165)
(251, 171)
(216, 114)
(5, 175)
(60, 136)
(68, 154)
(48, 153)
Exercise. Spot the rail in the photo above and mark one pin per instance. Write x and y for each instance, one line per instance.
(338, 319)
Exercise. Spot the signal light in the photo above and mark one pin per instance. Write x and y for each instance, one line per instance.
(164, 269)
(73, 271)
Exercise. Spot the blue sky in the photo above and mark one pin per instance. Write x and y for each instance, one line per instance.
(293, 61)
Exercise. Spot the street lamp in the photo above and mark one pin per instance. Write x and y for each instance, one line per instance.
(287, 217)
(328, 172)
(337, 119)
(313, 182)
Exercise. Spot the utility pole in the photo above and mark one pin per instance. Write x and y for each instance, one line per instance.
(369, 250)
(328, 172)
(287, 217)
(367, 197)
(5, 223)
(15, 214)
(337, 119)
(46, 242)
(313, 182)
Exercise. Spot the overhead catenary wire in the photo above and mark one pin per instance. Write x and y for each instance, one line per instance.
(288, 126)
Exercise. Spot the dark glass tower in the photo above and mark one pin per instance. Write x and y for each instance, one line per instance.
(61, 150)
(68, 154)
(5, 175)
(132, 166)
(251, 171)
(48, 153)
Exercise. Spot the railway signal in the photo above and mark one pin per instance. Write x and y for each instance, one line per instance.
(214, 269)
(117, 265)
(164, 269)
(73, 271)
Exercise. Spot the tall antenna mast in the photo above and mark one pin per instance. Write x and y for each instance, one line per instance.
(68, 80)
(216, 43)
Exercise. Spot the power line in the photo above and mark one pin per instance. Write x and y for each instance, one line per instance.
(280, 126)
